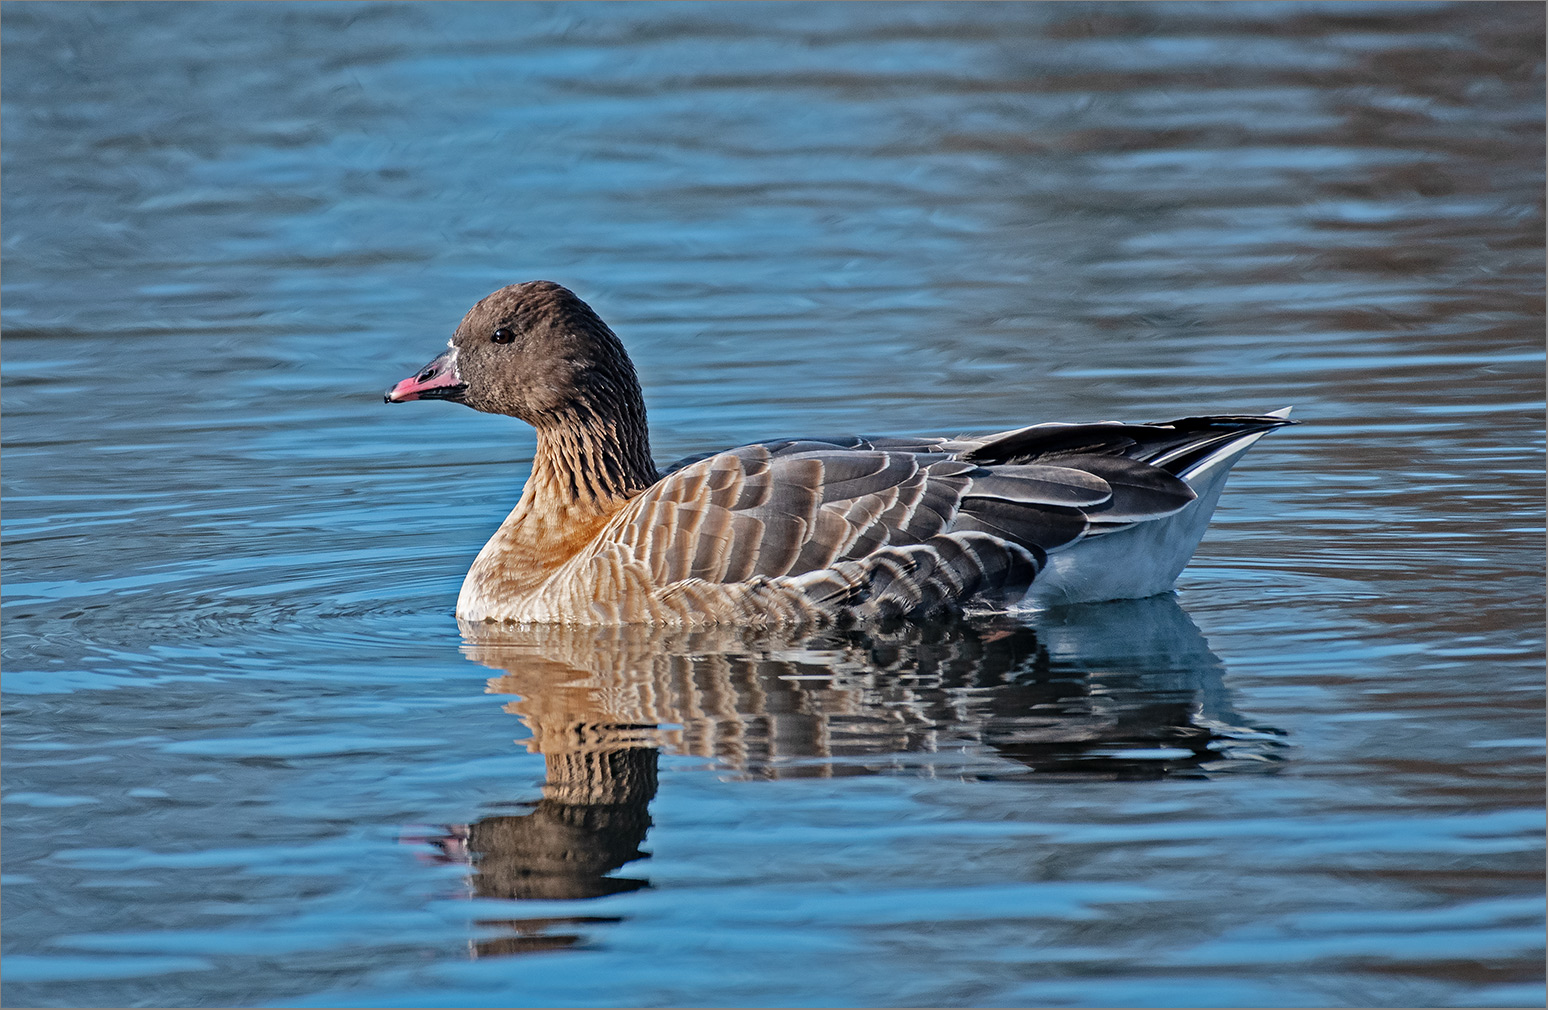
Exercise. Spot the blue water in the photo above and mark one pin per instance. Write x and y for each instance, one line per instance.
(249, 759)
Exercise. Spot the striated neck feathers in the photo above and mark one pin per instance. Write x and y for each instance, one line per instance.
(593, 443)
(591, 460)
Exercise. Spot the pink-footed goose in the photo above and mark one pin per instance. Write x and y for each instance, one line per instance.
(806, 530)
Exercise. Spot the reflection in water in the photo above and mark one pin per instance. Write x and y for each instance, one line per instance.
(590, 821)
(1122, 690)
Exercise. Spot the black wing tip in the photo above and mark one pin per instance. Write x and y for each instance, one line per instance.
(1225, 422)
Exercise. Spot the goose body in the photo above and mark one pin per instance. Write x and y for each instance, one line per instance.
(805, 530)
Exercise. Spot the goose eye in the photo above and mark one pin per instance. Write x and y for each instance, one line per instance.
(503, 335)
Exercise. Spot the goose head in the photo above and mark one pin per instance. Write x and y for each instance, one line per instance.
(533, 351)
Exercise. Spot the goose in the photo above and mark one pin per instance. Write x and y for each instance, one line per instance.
(814, 530)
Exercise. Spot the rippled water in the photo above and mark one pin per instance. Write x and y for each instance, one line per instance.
(250, 758)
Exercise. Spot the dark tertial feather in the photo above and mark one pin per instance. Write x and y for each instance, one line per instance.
(1139, 490)
(1047, 527)
(1069, 484)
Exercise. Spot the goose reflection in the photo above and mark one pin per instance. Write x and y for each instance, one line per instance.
(1119, 690)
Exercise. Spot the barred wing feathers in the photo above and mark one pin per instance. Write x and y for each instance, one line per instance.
(907, 527)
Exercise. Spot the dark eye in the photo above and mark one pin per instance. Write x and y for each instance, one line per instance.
(503, 335)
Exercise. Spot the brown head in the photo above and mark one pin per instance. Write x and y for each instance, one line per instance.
(533, 351)
(537, 352)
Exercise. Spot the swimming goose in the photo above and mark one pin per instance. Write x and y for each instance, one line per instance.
(804, 530)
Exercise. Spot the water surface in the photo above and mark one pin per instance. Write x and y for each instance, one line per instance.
(250, 758)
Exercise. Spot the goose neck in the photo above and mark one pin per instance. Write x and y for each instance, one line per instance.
(585, 464)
